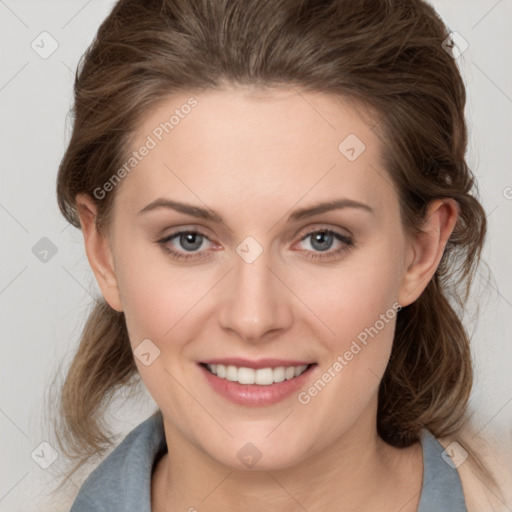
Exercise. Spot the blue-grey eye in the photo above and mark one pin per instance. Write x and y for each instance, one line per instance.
(321, 240)
(190, 241)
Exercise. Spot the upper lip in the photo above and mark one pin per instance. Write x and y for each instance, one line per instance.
(256, 364)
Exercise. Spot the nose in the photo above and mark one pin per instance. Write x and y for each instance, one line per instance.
(256, 305)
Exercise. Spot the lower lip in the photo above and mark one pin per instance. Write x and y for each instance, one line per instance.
(254, 395)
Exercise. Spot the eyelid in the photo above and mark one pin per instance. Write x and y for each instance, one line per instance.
(323, 227)
(181, 231)
(184, 227)
(168, 230)
(340, 237)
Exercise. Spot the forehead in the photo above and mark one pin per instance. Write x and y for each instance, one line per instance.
(256, 149)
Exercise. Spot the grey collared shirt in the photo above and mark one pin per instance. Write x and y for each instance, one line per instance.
(122, 482)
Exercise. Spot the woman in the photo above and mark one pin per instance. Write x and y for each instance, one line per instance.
(276, 206)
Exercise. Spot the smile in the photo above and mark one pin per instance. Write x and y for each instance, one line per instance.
(266, 383)
(260, 376)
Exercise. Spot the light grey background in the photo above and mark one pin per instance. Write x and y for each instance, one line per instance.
(43, 304)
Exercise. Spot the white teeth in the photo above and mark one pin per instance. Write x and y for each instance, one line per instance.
(278, 374)
(261, 376)
(289, 373)
(264, 376)
(232, 373)
(299, 370)
(246, 376)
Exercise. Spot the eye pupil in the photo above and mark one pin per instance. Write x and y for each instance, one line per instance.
(324, 239)
(194, 239)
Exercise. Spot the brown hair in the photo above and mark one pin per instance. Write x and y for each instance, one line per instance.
(385, 54)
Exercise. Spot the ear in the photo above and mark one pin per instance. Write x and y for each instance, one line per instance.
(98, 251)
(426, 248)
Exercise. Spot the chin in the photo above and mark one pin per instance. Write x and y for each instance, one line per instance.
(257, 455)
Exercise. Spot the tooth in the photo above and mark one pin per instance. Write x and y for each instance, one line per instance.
(289, 373)
(261, 376)
(279, 374)
(221, 371)
(300, 369)
(232, 373)
(264, 377)
(246, 375)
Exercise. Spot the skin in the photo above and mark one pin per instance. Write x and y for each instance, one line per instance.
(253, 157)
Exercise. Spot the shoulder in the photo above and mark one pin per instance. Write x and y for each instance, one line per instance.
(485, 469)
(122, 482)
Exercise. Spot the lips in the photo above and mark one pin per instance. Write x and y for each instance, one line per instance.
(256, 383)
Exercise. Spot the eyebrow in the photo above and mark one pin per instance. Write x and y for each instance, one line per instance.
(210, 215)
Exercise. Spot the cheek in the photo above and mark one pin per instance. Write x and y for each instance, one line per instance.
(162, 301)
(357, 305)
(158, 302)
(353, 294)
(346, 385)
(151, 295)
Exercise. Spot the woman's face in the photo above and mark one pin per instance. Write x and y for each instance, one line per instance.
(268, 276)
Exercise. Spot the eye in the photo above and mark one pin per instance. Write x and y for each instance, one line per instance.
(178, 244)
(190, 244)
(321, 241)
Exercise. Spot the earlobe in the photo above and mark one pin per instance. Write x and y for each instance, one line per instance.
(98, 251)
(427, 247)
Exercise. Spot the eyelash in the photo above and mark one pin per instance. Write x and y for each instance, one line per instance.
(326, 255)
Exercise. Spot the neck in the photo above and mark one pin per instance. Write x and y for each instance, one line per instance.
(359, 472)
